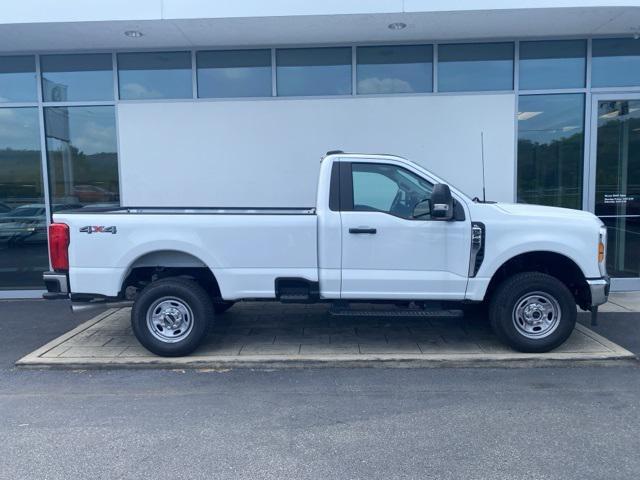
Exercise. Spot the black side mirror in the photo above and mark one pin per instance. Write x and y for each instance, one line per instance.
(441, 202)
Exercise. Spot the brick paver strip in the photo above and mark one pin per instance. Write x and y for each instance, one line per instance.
(261, 335)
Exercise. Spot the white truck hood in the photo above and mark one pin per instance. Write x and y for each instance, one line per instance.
(522, 209)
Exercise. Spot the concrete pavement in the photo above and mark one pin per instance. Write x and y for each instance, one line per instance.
(269, 335)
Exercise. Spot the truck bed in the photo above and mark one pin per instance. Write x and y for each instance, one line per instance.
(245, 248)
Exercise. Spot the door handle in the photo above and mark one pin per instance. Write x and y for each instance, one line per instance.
(363, 230)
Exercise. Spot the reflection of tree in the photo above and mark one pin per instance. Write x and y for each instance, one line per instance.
(20, 175)
(618, 165)
(100, 169)
(551, 173)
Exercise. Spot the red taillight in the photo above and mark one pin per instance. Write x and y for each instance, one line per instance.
(58, 245)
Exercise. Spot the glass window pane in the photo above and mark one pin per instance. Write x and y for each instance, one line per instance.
(82, 156)
(615, 62)
(154, 75)
(314, 71)
(551, 149)
(617, 198)
(23, 226)
(77, 78)
(475, 67)
(234, 73)
(552, 64)
(395, 69)
(388, 188)
(18, 79)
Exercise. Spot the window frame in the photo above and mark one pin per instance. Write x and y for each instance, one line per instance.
(359, 50)
(280, 73)
(199, 71)
(514, 46)
(346, 190)
(189, 53)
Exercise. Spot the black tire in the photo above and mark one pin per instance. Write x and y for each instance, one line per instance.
(188, 297)
(513, 293)
(221, 307)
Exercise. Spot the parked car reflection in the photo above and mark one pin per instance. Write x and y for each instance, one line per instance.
(93, 194)
(27, 224)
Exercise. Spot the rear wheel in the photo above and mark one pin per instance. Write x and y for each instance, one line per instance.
(171, 317)
(532, 312)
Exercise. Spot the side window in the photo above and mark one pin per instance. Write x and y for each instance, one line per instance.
(388, 188)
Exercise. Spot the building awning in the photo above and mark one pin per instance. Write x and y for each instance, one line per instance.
(96, 25)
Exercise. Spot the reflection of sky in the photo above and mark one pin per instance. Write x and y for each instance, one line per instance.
(475, 67)
(77, 86)
(18, 87)
(316, 80)
(395, 78)
(552, 64)
(154, 75)
(77, 77)
(560, 116)
(234, 82)
(314, 71)
(18, 79)
(19, 128)
(395, 69)
(91, 129)
(140, 84)
(234, 73)
(615, 63)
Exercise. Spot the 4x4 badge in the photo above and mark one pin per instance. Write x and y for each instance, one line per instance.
(98, 229)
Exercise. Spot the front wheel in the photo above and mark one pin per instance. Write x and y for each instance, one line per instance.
(171, 316)
(532, 312)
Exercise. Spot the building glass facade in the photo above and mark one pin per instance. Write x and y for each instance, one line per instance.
(575, 147)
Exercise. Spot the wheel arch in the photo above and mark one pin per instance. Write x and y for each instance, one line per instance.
(552, 263)
(164, 263)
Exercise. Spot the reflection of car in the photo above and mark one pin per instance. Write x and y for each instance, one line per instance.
(27, 223)
(24, 224)
(4, 208)
(93, 193)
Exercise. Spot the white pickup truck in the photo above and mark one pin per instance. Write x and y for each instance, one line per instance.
(383, 230)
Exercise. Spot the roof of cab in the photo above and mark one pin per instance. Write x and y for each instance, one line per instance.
(332, 153)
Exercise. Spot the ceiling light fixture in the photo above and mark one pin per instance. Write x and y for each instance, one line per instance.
(133, 33)
(397, 26)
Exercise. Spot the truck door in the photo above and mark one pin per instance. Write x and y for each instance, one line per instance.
(387, 253)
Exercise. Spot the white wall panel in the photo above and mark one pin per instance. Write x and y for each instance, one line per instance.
(266, 152)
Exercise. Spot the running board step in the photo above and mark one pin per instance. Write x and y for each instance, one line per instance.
(395, 313)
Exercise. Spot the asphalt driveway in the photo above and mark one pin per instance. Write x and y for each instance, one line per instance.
(525, 423)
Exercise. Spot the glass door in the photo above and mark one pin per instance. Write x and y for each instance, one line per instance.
(614, 178)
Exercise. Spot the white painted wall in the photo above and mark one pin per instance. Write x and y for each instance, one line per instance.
(267, 152)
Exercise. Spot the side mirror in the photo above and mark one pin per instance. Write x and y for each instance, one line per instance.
(441, 202)
(422, 209)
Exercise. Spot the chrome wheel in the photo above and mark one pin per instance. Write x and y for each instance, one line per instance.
(169, 319)
(536, 315)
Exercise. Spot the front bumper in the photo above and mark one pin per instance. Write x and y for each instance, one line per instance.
(599, 288)
(57, 285)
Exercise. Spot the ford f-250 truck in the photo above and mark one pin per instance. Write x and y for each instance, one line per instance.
(383, 230)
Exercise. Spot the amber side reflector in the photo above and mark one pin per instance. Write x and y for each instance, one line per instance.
(600, 252)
